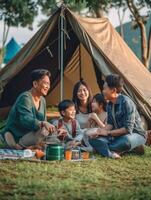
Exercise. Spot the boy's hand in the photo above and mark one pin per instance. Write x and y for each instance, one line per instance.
(62, 132)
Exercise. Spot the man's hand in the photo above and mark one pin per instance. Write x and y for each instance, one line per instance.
(102, 132)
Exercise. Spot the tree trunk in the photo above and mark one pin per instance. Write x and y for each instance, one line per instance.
(121, 18)
(99, 12)
(4, 39)
(145, 46)
(149, 47)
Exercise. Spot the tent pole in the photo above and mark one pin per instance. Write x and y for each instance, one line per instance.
(80, 69)
(61, 54)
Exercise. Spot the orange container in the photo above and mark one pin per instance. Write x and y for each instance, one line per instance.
(68, 154)
(39, 153)
(85, 155)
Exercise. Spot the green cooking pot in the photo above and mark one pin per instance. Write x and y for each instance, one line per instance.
(54, 152)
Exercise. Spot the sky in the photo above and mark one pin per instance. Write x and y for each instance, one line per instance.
(22, 35)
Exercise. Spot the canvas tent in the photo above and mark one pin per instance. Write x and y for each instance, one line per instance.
(83, 47)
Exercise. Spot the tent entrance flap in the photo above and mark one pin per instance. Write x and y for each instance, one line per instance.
(72, 75)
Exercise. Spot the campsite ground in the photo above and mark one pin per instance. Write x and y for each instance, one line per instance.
(102, 178)
(126, 179)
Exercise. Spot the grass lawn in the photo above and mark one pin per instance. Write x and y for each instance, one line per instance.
(128, 178)
(104, 179)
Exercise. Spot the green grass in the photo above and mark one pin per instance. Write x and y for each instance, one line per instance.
(105, 179)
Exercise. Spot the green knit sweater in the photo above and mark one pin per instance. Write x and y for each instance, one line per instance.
(24, 117)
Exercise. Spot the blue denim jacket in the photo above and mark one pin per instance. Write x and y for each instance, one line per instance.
(126, 115)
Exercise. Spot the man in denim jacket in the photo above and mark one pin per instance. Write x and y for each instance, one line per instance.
(123, 131)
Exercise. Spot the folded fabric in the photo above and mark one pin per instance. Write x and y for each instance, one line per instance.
(16, 154)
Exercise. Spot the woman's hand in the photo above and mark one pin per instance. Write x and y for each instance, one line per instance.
(49, 127)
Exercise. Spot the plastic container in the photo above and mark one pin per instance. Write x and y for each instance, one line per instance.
(75, 154)
(85, 155)
(68, 154)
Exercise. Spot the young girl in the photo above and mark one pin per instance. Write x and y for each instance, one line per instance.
(97, 118)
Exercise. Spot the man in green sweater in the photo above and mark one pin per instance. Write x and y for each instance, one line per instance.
(26, 124)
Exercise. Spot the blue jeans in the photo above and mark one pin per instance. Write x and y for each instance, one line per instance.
(120, 144)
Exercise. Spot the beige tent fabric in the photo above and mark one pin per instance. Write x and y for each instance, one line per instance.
(100, 38)
(108, 50)
(72, 75)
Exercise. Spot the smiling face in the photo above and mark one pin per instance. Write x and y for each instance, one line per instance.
(69, 113)
(83, 93)
(42, 86)
(96, 106)
(109, 93)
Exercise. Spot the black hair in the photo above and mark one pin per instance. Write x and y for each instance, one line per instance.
(75, 97)
(115, 81)
(65, 104)
(39, 74)
(99, 98)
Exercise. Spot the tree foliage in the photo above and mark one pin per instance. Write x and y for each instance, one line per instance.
(16, 13)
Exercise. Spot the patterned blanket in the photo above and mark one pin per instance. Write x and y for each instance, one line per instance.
(16, 154)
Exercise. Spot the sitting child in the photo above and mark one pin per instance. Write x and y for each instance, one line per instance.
(68, 127)
(97, 118)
